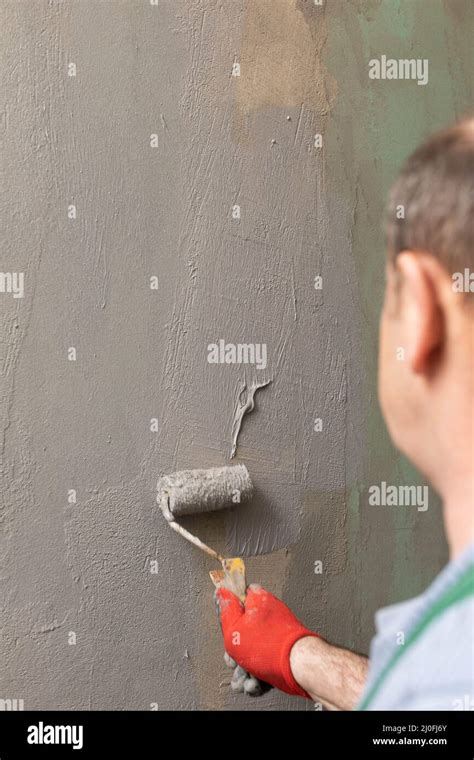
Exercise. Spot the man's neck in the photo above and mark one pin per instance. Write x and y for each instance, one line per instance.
(458, 511)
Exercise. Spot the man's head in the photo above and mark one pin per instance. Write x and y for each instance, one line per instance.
(427, 323)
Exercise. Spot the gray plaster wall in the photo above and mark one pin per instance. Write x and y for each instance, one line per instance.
(102, 606)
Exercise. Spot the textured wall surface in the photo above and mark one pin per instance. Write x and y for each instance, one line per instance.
(102, 606)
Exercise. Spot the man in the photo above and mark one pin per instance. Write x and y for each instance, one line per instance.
(426, 392)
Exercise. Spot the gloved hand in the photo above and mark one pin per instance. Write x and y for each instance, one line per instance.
(260, 635)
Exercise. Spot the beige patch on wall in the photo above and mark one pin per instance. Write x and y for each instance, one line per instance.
(280, 59)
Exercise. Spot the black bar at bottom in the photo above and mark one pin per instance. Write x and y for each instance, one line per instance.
(249, 735)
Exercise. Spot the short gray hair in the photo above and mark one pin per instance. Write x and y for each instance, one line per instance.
(434, 194)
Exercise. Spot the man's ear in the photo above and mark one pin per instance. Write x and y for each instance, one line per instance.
(421, 308)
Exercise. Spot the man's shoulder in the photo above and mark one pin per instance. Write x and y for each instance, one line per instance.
(439, 670)
(448, 639)
(431, 639)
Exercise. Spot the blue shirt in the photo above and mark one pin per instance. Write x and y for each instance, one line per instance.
(437, 670)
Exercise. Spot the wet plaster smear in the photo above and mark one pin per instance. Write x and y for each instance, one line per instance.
(212, 182)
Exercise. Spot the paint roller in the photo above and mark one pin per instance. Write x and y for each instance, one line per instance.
(194, 492)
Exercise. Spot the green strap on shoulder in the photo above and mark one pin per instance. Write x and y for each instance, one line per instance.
(463, 588)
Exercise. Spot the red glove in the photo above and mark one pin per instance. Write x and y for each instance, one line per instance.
(260, 636)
